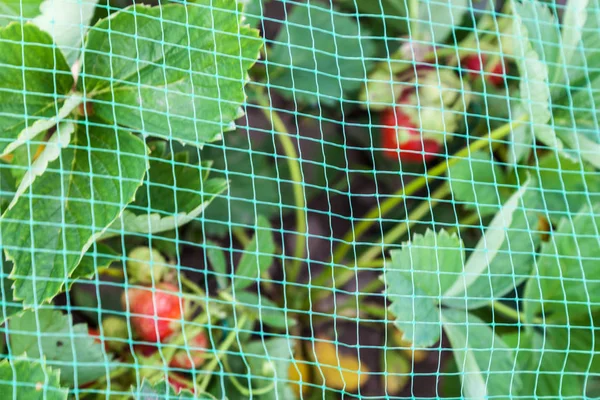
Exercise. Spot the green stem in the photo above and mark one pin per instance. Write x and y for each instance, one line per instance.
(466, 222)
(210, 367)
(413, 15)
(241, 236)
(402, 228)
(376, 213)
(342, 276)
(191, 332)
(508, 312)
(296, 175)
(192, 286)
(249, 392)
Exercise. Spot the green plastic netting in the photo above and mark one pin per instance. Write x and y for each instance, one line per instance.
(299, 199)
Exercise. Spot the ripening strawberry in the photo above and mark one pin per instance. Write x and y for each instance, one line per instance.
(154, 324)
(474, 65)
(197, 347)
(400, 138)
(95, 333)
(178, 386)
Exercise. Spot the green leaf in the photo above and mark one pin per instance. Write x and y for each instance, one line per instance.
(579, 342)
(573, 21)
(267, 311)
(16, 10)
(175, 72)
(59, 140)
(567, 185)
(22, 379)
(503, 257)
(521, 137)
(257, 257)
(485, 362)
(567, 275)
(576, 119)
(265, 362)
(389, 16)
(67, 21)
(539, 27)
(543, 368)
(586, 53)
(10, 305)
(480, 183)
(217, 261)
(437, 19)
(534, 29)
(99, 174)
(174, 193)
(260, 181)
(320, 57)
(94, 261)
(50, 335)
(420, 273)
(8, 184)
(162, 390)
(29, 62)
(253, 11)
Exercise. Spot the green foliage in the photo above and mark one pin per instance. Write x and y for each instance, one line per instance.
(417, 280)
(162, 389)
(567, 185)
(321, 65)
(267, 311)
(257, 256)
(552, 85)
(566, 270)
(22, 379)
(99, 183)
(261, 365)
(186, 81)
(29, 62)
(485, 362)
(553, 363)
(48, 334)
(480, 183)
(174, 193)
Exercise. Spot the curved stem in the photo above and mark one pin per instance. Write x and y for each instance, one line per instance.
(466, 222)
(508, 312)
(250, 392)
(210, 367)
(341, 277)
(376, 213)
(296, 175)
(402, 228)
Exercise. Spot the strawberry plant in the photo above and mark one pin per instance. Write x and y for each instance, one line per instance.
(299, 200)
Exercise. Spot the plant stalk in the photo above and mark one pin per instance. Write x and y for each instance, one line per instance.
(210, 367)
(342, 276)
(292, 159)
(376, 213)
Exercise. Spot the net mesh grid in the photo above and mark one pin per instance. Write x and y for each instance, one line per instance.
(355, 321)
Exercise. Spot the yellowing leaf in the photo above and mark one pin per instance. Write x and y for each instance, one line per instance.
(339, 370)
(299, 376)
(397, 370)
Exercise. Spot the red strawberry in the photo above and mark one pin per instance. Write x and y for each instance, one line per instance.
(95, 333)
(400, 138)
(144, 349)
(178, 386)
(160, 322)
(182, 359)
(474, 65)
